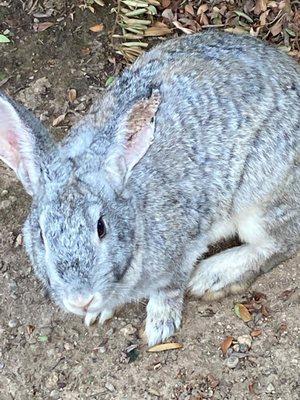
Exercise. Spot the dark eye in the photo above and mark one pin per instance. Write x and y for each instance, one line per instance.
(101, 229)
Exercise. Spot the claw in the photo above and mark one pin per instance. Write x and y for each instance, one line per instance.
(105, 315)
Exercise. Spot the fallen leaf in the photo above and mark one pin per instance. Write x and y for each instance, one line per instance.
(260, 5)
(165, 3)
(154, 392)
(182, 28)
(258, 296)
(72, 94)
(168, 14)
(276, 28)
(58, 120)
(97, 28)
(286, 294)
(30, 329)
(86, 51)
(213, 381)
(256, 332)
(282, 328)
(157, 31)
(4, 39)
(43, 338)
(242, 312)
(109, 80)
(242, 14)
(164, 347)
(251, 387)
(264, 310)
(238, 30)
(42, 26)
(189, 9)
(202, 9)
(226, 344)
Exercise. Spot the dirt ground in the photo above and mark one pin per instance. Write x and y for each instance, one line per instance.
(47, 354)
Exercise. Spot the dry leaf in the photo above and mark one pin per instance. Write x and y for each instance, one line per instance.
(97, 28)
(30, 329)
(237, 30)
(242, 312)
(256, 332)
(164, 347)
(226, 344)
(202, 9)
(157, 31)
(263, 18)
(258, 296)
(165, 3)
(42, 26)
(86, 51)
(213, 381)
(168, 14)
(58, 120)
(260, 5)
(286, 294)
(277, 28)
(264, 310)
(182, 28)
(189, 9)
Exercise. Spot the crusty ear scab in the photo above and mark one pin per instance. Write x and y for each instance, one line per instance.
(134, 137)
(17, 145)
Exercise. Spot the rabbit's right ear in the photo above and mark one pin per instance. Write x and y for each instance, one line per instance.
(18, 147)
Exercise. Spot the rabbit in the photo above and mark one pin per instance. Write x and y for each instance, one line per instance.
(196, 142)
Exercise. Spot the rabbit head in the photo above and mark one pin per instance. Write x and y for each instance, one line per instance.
(80, 234)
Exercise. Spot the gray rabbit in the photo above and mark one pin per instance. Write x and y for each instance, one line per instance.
(198, 141)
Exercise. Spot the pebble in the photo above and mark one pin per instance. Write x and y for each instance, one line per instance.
(19, 240)
(52, 380)
(2, 365)
(13, 287)
(67, 346)
(4, 192)
(110, 332)
(236, 348)
(232, 362)
(102, 349)
(245, 340)
(12, 323)
(110, 387)
(5, 204)
(128, 331)
(270, 388)
(243, 348)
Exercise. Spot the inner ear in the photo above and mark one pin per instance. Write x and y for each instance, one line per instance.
(135, 135)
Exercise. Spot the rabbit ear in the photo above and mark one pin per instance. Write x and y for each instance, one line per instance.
(134, 137)
(17, 145)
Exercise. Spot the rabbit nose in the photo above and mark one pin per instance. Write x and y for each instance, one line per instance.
(81, 301)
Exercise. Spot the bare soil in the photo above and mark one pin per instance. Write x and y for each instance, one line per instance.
(47, 354)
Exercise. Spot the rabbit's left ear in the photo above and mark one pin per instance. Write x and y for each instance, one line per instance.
(134, 137)
(17, 145)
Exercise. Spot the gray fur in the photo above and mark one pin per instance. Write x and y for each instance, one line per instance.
(224, 160)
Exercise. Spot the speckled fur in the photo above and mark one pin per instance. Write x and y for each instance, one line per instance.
(224, 160)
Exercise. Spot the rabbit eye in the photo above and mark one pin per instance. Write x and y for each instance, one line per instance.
(101, 229)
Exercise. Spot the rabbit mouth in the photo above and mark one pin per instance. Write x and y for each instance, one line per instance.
(88, 305)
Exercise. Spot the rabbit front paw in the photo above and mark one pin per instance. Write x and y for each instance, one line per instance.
(163, 319)
(91, 317)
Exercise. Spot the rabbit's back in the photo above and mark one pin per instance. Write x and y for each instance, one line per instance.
(229, 118)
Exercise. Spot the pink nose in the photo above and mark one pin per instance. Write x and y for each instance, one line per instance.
(81, 301)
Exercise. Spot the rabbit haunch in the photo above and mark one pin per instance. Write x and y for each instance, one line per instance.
(198, 141)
